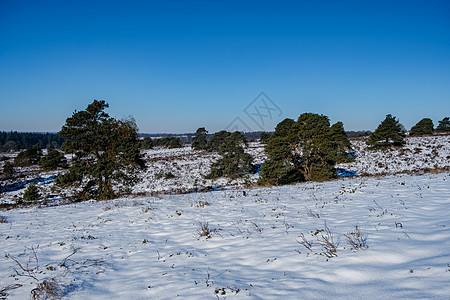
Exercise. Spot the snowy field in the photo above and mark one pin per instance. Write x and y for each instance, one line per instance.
(419, 154)
(150, 247)
(364, 237)
(189, 167)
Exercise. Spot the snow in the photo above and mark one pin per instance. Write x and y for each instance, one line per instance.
(190, 167)
(419, 153)
(149, 247)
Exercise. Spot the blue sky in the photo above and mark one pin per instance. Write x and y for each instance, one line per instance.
(179, 65)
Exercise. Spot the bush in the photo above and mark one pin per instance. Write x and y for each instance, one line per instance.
(264, 138)
(31, 193)
(8, 170)
(199, 142)
(147, 143)
(388, 133)
(217, 140)
(444, 125)
(28, 157)
(53, 160)
(234, 162)
(424, 126)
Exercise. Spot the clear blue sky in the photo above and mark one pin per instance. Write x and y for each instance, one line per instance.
(179, 65)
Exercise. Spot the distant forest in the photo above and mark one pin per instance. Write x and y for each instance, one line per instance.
(14, 141)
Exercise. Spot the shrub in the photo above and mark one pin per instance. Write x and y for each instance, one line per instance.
(444, 125)
(264, 138)
(28, 157)
(147, 143)
(53, 160)
(8, 170)
(31, 193)
(234, 162)
(424, 126)
(199, 141)
(217, 140)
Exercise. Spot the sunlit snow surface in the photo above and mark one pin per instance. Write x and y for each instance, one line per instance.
(149, 247)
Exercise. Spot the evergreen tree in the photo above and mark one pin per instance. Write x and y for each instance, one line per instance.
(31, 193)
(302, 150)
(173, 143)
(342, 142)
(53, 160)
(234, 162)
(28, 157)
(216, 141)
(199, 141)
(106, 152)
(264, 138)
(147, 143)
(424, 126)
(388, 133)
(316, 149)
(279, 168)
(8, 170)
(444, 125)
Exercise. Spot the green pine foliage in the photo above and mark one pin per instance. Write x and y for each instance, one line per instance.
(342, 142)
(424, 126)
(31, 194)
(306, 149)
(264, 138)
(388, 133)
(234, 162)
(174, 143)
(216, 141)
(28, 157)
(147, 143)
(444, 125)
(107, 152)
(8, 170)
(199, 141)
(53, 160)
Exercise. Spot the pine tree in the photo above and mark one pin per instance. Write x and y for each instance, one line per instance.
(388, 133)
(53, 160)
(234, 161)
(147, 143)
(28, 157)
(264, 137)
(216, 141)
(279, 168)
(342, 142)
(8, 170)
(424, 126)
(199, 141)
(31, 193)
(444, 125)
(302, 150)
(106, 152)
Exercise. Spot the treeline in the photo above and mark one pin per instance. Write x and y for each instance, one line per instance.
(13, 140)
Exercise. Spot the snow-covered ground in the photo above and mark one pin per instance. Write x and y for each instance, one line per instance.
(419, 153)
(190, 166)
(150, 247)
